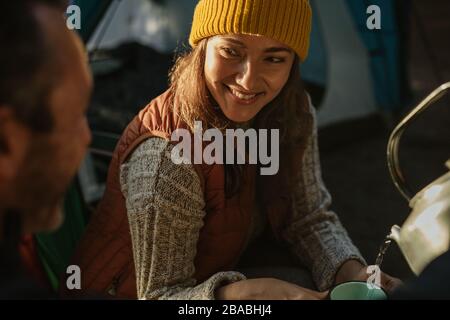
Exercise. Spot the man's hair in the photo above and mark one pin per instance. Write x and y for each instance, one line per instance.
(26, 75)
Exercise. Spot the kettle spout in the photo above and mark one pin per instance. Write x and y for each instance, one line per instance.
(395, 233)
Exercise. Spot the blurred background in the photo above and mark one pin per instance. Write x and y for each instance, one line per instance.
(361, 81)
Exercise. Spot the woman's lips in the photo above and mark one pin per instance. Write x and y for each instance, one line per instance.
(242, 98)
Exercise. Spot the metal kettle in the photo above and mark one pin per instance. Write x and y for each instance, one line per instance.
(425, 234)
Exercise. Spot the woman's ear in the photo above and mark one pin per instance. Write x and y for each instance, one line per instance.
(14, 141)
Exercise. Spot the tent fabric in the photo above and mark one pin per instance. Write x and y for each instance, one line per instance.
(92, 13)
(314, 69)
(383, 48)
(348, 92)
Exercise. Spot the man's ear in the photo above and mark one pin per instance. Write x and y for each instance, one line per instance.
(14, 142)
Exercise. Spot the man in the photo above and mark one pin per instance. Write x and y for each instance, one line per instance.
(45, 87)
(432, 284)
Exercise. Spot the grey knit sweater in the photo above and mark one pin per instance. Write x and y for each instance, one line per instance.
(165, 206)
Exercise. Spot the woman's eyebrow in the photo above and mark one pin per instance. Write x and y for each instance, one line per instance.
(237, 42)
(268, 50)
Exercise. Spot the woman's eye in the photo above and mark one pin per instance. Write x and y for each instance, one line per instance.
(275, 60)
(230, 52)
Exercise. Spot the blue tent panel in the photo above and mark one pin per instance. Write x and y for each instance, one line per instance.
(383, 47)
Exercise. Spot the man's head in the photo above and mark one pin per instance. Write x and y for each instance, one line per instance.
(45, 86)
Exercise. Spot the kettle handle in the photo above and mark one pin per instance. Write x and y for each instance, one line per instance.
(393, 143)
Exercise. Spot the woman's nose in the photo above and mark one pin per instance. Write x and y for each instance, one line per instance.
(247, 78)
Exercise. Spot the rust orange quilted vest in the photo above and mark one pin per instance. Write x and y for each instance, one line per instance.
(105, 251)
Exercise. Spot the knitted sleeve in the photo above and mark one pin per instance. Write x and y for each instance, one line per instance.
(165, 207)
(315, 233)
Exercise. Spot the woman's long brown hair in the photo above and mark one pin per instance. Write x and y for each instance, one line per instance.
(288, 112)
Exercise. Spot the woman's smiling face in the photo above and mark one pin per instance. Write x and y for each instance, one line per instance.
(246, 72)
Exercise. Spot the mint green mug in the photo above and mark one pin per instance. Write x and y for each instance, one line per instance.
(357, 290)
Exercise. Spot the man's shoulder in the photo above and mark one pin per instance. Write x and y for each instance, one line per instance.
(21, 287)
(432, 283)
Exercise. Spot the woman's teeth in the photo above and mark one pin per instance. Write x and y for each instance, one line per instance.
(242, 96)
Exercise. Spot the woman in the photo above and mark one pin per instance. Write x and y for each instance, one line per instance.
(191, 223)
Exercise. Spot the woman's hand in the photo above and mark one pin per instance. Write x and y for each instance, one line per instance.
(355, 270)
(266, 289)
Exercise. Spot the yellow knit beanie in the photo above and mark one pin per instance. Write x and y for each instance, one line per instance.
(287, 21)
